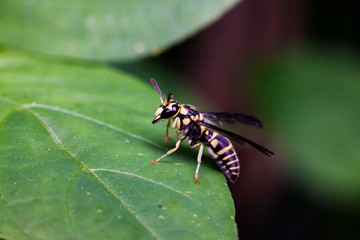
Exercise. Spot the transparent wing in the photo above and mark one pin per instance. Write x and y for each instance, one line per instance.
(224, 118)
(237, 138)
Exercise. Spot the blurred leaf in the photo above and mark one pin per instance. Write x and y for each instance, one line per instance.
(104, 30)
(312, 99)
(75, 147)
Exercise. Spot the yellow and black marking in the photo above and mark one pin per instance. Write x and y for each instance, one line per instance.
(223, 153)
(198, 127)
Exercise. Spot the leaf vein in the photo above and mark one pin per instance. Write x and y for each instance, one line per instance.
(144, 178)
(85, 117)
(122, 202)
(85, 167)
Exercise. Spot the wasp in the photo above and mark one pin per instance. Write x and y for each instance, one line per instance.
(201, 130)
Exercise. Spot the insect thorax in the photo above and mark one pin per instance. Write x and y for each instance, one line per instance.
(188, 115)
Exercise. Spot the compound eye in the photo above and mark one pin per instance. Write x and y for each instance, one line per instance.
(168, 113)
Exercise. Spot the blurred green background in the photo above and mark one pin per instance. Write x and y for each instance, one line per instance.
(293, 64)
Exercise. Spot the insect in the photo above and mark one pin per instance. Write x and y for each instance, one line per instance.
(200, 129)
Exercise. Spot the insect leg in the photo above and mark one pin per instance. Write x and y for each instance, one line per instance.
(173, 127)
(198, 161)
(176, 125)
(167, 130)
(177, 145)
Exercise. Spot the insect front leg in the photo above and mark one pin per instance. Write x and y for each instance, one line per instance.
(177, 145)
(175, 122)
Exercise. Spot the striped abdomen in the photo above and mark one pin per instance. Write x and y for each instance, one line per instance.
(223, 152)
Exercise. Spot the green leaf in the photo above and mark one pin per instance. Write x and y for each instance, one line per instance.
(312, 100)
(75, 149)
(104, 30)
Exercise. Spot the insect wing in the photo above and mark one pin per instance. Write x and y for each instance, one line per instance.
(224, 118)
(238, 138)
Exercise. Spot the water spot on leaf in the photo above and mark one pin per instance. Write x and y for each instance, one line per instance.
(30, 3)
(124, 22)
(110, 19)
(139, 47)
(90, 21)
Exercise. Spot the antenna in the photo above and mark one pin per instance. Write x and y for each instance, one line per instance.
(156, 86)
